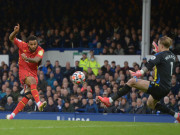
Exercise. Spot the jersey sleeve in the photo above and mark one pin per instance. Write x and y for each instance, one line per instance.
(19, 43)
(155, 60)
(40, 53)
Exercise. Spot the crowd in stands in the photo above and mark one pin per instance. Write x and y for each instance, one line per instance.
(107, 28)
(55, 86)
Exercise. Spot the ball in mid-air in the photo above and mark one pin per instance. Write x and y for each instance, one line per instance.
(78, 77)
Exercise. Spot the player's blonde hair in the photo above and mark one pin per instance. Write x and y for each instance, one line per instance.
(165, 41)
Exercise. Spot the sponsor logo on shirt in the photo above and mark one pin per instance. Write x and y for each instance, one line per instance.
(40, 53)
(153, 57)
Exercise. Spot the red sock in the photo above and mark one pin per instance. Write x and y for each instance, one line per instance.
(35, 93)
(20, 105)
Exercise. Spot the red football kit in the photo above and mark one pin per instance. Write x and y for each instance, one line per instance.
(26, 68)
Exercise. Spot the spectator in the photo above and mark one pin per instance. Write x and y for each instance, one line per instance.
(77, 68)
(139, 109)
(98, 50)
(109, 70)
(15, 93)
(3, 91)
(133, 97)
(113, 109)
(83, 39)
(58, 76)
(56, 65)
(4, 99)
(77, 103)
(10, 105)
(65, 95)
(97, 92)
(60, 104)
(46, 66)
(124, 105)
(166, 101)
(91, 107)
(113, 66)
(13, 54)
(42, 84)
(174, 86)
(174, 105)
(177, 73)
(47, 75)
(84, 62)
(144, 63)
(104, 67)
(68, 71)
(84, 104)
(51, 80)
(89, 95)
(30, 107)
(67, 107)
(126, 67)
(51, 107)
(92, 82)
(119, 50)
(11, 81)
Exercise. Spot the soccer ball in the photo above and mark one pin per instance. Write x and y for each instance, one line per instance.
(78, 77)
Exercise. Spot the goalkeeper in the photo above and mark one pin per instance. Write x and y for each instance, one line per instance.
(163, 61)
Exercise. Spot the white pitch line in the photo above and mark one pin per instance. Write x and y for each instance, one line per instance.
(91, 126)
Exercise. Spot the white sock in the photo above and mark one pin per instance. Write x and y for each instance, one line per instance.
(176, 115)
(13, 114)
(38, 103)
(110, 100)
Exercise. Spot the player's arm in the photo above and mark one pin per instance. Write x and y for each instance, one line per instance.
(139, 72)
(155, 60)
(36, 59)
(14, 33)
(31, 60)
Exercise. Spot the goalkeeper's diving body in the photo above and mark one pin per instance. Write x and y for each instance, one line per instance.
(163, 61)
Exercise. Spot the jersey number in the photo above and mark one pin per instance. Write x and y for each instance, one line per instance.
(171, 67)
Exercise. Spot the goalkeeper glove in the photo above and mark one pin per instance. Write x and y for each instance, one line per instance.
(155, 47)
(138, 73)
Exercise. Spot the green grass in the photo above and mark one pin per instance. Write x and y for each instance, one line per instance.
(47, 127)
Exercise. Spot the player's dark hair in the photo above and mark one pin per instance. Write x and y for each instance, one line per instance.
(31, 38)
(166, 41)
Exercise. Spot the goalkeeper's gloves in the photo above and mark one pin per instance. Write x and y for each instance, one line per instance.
(138, 73)
(156, 50)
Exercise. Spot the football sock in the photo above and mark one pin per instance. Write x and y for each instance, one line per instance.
(164, 109)
(121, 92)
(35, 94)
(176, 115)
(20, 106)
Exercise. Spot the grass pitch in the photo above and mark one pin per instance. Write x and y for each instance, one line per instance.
(47, 127)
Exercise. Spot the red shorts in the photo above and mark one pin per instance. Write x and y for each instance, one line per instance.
(24, 74)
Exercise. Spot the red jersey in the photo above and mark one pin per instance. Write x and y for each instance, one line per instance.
(25, 66)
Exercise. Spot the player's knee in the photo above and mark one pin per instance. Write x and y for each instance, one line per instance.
(28, 95)
(32, 80)
(131, 82)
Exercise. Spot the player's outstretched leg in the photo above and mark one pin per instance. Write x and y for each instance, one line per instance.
(121, 92)
(31, 81)
(165, 109)
(35, 95)
(18, 108)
